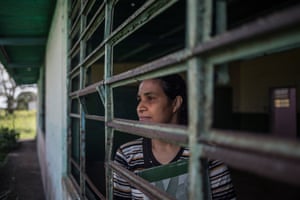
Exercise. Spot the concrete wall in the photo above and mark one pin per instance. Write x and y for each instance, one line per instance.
(52, 145)
(253, 79)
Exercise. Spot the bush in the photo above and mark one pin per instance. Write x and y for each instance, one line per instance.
(8, 140)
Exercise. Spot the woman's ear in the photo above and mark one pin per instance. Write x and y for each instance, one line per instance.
(177, 103)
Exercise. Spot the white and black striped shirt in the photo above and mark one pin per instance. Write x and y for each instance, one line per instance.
(137, 155)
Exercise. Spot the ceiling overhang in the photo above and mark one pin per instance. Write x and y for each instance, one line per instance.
(24, 28)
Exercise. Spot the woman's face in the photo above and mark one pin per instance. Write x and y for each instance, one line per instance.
(153, 104)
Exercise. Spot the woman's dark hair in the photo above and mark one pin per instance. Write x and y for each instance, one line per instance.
(174, 85)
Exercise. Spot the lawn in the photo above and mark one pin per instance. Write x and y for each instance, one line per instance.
(23, 121)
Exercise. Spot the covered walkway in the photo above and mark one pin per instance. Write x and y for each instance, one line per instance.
(20, 177)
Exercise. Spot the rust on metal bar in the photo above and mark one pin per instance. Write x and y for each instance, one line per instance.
(171, 133)
(283, 170)
(93, 187)
(148, 189)
(273, 23)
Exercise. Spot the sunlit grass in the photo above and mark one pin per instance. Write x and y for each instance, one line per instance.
(23, 121)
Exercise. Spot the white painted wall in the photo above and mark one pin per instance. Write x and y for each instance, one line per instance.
(52, 145)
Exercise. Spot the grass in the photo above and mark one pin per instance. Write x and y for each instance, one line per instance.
(23, 121)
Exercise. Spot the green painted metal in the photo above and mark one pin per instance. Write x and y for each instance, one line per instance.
(165, 171)
(24, 27)
(108, 71)
(200, 96)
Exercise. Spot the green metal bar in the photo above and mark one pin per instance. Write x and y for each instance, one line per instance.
(95, 22)
(249, 142)
(257, 47)
(200, 93)
(82, 112)
(172, 133)
(164, 171)
(148, 189)
(265, 165)
(108, 100)
(150, 70)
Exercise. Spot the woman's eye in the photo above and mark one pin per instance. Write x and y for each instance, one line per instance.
(150, 98)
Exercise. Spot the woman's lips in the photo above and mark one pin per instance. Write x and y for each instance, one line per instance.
(144, 118)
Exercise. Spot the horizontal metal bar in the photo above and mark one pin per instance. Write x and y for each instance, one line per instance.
(150, 70)
(87, 6)
(90, 29)
(148, 189)
(273, 167)
(262, 27)
(74, 115)
(143, 15)
(75, 27)
(75, 164)
(74, 182)
(176, 134)
(257, 47)
(89, 89)
(94, 56)
(171, 59)
(93, 187)
(74, 49)
(95, 22)
(75, 71)
(163, 71)
(253, 142)
(75, 7)
(95, 117)
(30, 41)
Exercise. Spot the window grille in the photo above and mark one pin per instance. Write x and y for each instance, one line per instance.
(114, 43)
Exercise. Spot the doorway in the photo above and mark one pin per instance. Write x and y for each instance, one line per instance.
(283, 112)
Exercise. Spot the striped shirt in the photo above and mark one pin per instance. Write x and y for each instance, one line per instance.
(137, 155)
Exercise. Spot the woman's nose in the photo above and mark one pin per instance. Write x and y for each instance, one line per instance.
(140, 107)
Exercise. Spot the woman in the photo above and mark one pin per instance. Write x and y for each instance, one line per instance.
(163, 100)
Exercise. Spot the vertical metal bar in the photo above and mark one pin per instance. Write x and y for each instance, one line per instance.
(108, 64)
(199, 15)
(82, 112)
(69, 134)
(221, 26)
